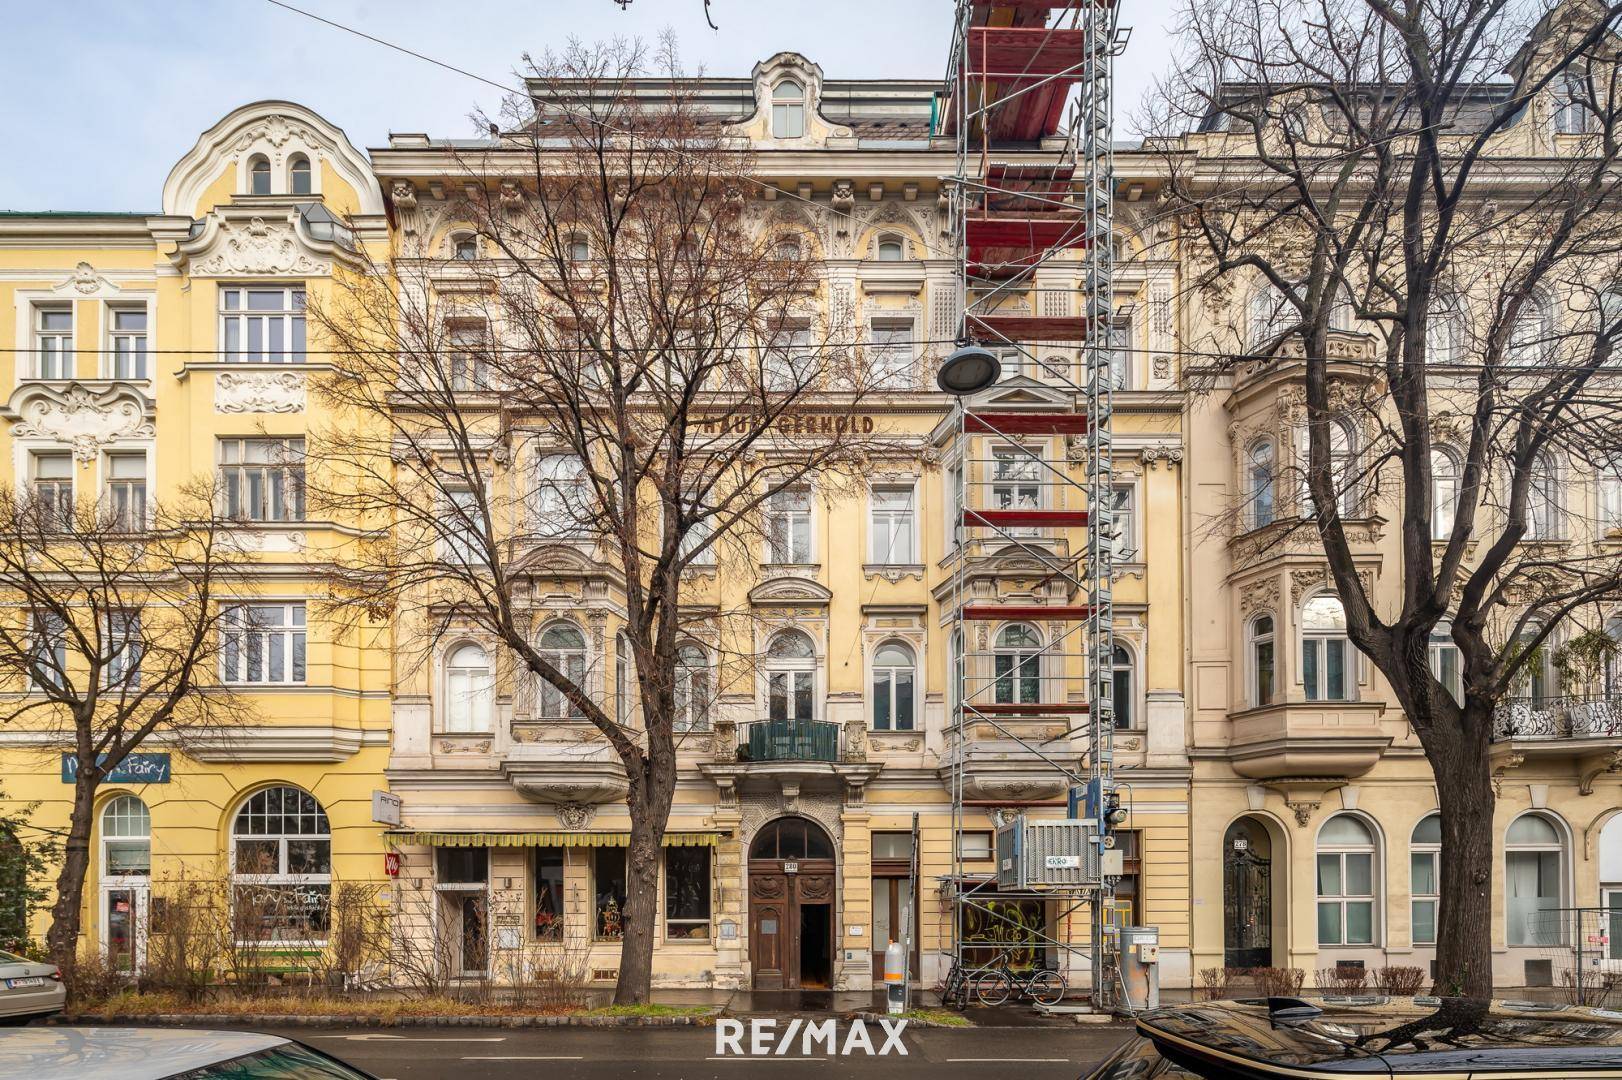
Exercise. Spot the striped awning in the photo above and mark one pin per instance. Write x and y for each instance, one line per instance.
(543, 839)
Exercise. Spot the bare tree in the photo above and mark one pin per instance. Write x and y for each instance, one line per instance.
(111, 644)
(1411, 206)
(616, 356)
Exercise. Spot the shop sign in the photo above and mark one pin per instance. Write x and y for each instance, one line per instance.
(134, 769)
(391, 863)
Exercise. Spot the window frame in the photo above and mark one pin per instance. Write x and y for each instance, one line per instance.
(667, 889)
(125, 496)
(453, 674)
(280, 481)
(291, 628)
(1255, 638)
(788, 108)
(885, 683)
(1261, 477)
(1130, 719)
(1342, 900)
(1431, 853)
(1011, 687)
(573, 662)
(61, 342)
(785, 522)
(561, 500)
(126, 342)
(293, 170)
(259, 176)
(891, 242)
(281, 877)
(1318, 690)
(796, 674)
(598, 909)
(694, 683)
(883, 521)
(557, 924)
(1561, 849)
(126, 646)
(1441, 498)
(237, 324)
(108, 840)
(1543, 490)
(892, 361)
(55, 496)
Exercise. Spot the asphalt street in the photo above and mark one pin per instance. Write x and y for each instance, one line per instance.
(463, 1053)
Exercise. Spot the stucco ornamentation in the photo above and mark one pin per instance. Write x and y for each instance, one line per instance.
(259, 392)
(574, 815)
(1259, 596)
(1153, 456)
(86, 419)
(258, 247)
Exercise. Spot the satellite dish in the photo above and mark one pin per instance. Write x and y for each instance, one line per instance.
(969, 369)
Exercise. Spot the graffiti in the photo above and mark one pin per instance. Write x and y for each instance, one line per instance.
(991, 927)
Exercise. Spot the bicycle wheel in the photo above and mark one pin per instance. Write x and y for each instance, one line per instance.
(1047, 987)
(991, 987)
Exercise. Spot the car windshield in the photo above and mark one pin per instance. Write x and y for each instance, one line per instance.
(290, 1062)
(11, 958)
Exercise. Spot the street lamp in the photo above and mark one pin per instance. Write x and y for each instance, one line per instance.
(968, 370)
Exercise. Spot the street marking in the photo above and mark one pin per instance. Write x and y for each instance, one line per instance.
(1017, 1061)
(526, 1057)
(756, 1060)
(406, 1038)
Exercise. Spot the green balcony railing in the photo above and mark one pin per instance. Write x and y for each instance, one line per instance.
(790, 740)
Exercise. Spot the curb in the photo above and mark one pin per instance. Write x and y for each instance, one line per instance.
(912, 1022)
(300, 1020)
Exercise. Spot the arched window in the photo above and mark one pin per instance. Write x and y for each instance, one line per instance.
(1326, 654)
(126, 839)
(894, 677)
(560, 496)
(259, 175)
(1445, 480)
(692, 689)
(1445, 660)
(1263, 664)
(298, 172)
(1270, 313)
(1123, 687)
(1018, 665)
(1342, 467)
(464, 247)
(1531, 339)
(564, 647)
(791, 838)
(788, 110)
(1261, 482)
(1543, 521)
(469, 690)
(1345, 882)
(1425, 877)
(791, 677)
(281, 867)
(1444, 329)
(1534, 876)
(787, 249)
(890, 248)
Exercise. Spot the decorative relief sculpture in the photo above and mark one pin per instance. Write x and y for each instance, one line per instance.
(259, 392)
(258, 247)
(85, 418)
(574, 815)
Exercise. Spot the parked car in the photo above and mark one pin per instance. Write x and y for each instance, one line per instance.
(1435, 1038)
(115, 1053)
(28, 988)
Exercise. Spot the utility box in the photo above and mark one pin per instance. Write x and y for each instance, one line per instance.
(1060, 852)
(1140, 967)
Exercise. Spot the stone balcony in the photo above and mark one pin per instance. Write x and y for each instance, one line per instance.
(791, 756)
(1585, 729)
(1329, 739)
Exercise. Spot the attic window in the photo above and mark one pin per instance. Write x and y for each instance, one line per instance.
(788, 110)
(259, 175)
(299, 174)
(891, 249)
(464, 247)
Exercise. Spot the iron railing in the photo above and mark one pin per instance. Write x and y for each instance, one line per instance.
(790, 740)
(1595, 716)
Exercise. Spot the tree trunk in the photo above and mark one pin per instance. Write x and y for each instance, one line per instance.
(641, 903)
(62, 939)
(1464, 789)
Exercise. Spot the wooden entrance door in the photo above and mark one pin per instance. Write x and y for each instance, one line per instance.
(792, 920)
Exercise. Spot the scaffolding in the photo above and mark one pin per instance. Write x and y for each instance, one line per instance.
(1032, 472)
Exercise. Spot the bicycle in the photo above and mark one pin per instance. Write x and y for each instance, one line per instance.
(994, 984)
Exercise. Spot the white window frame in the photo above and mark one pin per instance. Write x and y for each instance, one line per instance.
(48, 635)
(292, 174)
(54, 343)
(115, 818)
(1324, 640)
(1562, 850)
(893, 530)
(125, 342)
(1444, 328)
(1439, 650)
(1261, 477)
(1445, 487)
(55, 496)
(562, 506)
(285, 623)
(890, 674)
(125, 646)
(1123, 372)
(1124, 524)
(573, 662)
(891, 353)
(791, 673)
(1021, 660)
(782, 358)
(1343, 458)
(1545, 516)
(1532, 336)
(694, 691)
(1343, 900)
(478, 690)
(280, 480)
(1432, 853)
(1255, 638)
(239, 323)
(791, 538)
(125, 506)
(889, 247)
(1015, 481)
(789, 98)
(1132, 719)
(254, 172)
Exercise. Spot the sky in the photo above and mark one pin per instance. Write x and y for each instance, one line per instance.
(104, 96)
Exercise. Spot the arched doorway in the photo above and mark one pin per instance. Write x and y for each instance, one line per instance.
(791, 905)
(1247, 895)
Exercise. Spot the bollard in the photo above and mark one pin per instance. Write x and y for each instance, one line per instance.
(895, 977)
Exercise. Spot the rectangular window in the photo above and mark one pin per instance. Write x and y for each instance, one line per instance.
(1346, 898)
(694, 543)
(125, 508)
(124, 650)
(1425, 888)
(262, 479)
(53, 342)
(128, 340)
(463, 865)
(1016, 483)
(892, 845)
(1323, 668)
(788, 525)
(890, 353)
(892, 528)
(50, 660)
(789, 695)
(1124, 522)
(788, 363)
(549, 894)
(460, 542)
(262, 643)
(687, 893)
(468, 367)
(1120, 355)
(53, 490)
(262, 325)
(974, 845)
(608, 892)
(954, 503)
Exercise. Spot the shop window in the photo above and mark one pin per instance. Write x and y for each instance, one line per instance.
(126, 838)
(608, 893)
(549, 906)
(687, 893)
(463, 866)
(281, 867)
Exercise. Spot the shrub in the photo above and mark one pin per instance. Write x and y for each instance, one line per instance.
(1401, 981)
(1343, 979)
(1280, 982)
(1214, 982)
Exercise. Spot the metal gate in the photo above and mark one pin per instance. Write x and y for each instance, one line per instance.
(1247, 910)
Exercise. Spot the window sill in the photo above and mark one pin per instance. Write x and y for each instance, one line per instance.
(187, 368)
(893, 572)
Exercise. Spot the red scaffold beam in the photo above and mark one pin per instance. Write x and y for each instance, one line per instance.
(998, 612)
(1026, 708)
(1026, 519)
(1019, 328)
(1064, 423)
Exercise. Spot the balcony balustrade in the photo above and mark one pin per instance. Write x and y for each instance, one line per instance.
(789, 740)
(1597, 716)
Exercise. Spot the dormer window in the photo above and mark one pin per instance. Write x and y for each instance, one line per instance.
(299, 175)
(788, 110)
(259, 175)
(891, 249)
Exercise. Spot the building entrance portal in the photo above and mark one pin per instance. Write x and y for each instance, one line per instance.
(1247, 895)
(791, 905)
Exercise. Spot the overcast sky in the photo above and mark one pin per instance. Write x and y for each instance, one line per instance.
(103, 96)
